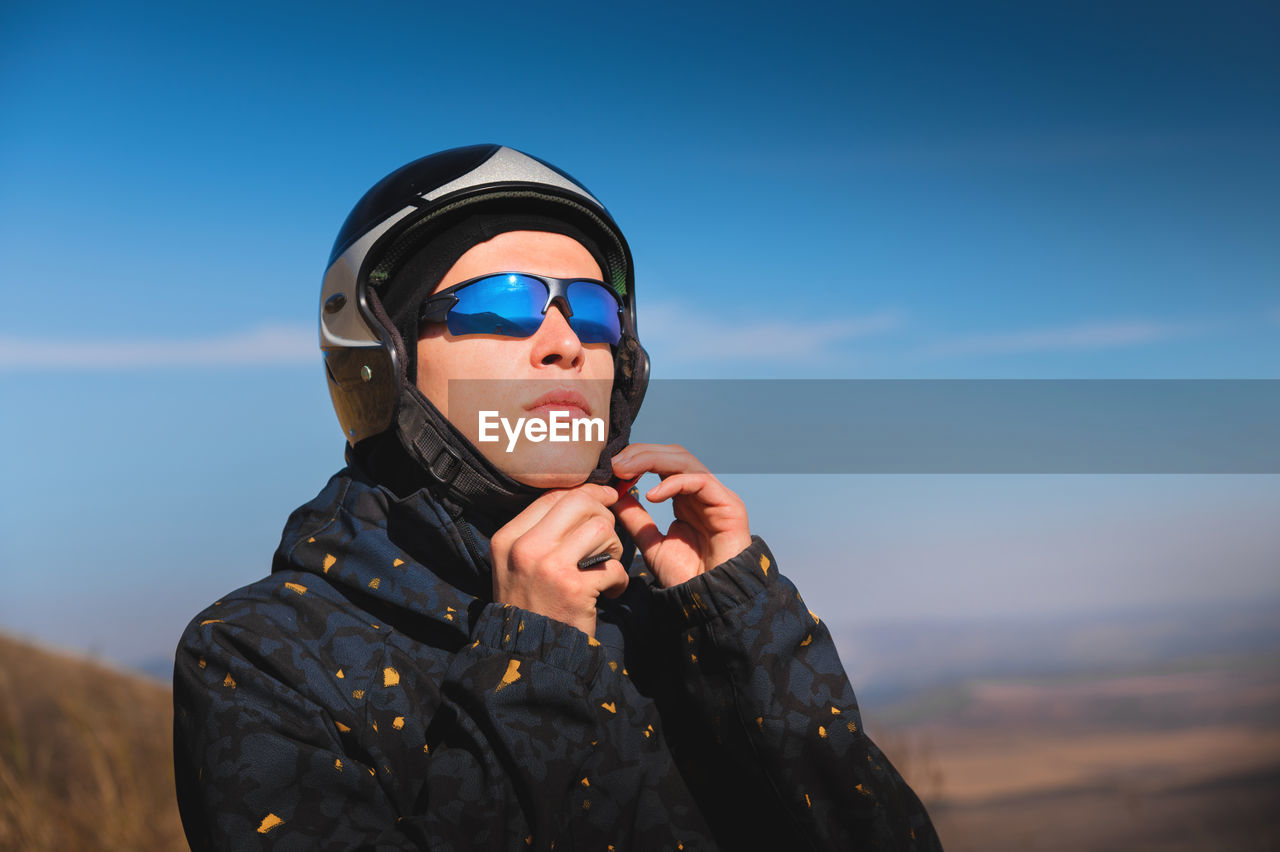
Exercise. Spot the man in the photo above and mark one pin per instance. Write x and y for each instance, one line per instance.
(458, 647)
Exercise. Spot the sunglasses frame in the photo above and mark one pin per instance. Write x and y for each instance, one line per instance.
(435, 308)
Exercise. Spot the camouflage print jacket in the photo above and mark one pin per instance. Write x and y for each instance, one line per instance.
(368, 694)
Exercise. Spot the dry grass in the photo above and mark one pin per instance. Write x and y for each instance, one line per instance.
(85, 756)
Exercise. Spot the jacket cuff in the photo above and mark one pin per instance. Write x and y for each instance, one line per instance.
(731, 583)
(510, 630)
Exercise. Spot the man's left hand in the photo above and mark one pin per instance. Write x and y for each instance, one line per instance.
(710, 525)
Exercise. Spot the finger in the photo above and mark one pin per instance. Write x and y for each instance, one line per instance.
(593, 537)
(617, 578)
(567, 518)
(606, 495)
(549, 511)
(639, 524)
(603, 496)
(607, 576)
(640, 458)
(662, 459)
(704, 486)
(533, 514)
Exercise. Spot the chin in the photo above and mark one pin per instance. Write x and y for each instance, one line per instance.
(548, 481)
(552, 468)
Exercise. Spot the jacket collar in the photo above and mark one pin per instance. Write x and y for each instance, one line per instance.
(398, 557)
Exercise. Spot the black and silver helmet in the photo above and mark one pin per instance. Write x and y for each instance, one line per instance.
(364, 355)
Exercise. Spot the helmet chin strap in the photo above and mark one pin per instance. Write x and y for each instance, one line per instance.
(454, 469)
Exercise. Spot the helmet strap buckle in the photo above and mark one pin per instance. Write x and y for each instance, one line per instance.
(444, 473)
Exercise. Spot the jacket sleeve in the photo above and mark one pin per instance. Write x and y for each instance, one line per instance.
(525, 713)
(258, 762)
(764, 721)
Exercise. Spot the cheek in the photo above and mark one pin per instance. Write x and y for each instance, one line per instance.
(599, 362)
(441, 360)
(599, 369)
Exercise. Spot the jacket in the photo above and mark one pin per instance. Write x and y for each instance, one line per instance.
(369, 694)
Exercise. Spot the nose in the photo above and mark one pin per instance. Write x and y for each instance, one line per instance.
(556, 343)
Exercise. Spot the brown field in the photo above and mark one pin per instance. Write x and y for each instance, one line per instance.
(84, 756)
(1177, 761)
(1174, 761)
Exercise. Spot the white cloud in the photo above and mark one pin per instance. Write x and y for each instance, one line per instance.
(265, 345)
(1083, 337)
(677, 332)
(670, 328)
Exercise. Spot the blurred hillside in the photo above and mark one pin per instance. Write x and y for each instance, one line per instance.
(1130, 731)
(1181, 760)
(84, 756)
(889, 660)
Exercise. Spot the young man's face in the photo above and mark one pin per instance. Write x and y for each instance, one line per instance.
(552, 361)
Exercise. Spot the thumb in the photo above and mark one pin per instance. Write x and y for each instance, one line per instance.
(639, 524)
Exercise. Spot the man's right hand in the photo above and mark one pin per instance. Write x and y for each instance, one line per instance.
(535, 556)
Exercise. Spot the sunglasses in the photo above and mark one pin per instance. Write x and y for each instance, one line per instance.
(512, 304)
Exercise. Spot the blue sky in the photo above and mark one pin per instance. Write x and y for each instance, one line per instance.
(978, 190)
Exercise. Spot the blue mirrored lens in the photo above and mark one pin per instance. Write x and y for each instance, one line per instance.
(509, 305)
(595, 313)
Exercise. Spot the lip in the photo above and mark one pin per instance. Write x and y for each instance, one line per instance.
(560, 400)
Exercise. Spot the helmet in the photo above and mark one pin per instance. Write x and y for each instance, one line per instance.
(364, 355)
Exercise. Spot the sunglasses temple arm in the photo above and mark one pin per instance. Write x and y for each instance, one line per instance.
(437, 308)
